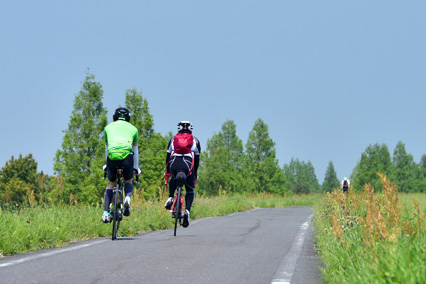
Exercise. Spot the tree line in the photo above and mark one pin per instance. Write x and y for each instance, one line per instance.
(227, 164)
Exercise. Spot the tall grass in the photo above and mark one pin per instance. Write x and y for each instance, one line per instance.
(44, 227)
(372, 237)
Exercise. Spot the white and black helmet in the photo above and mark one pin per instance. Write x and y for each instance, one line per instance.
(185, 125)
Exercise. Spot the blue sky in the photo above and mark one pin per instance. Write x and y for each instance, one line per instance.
(327, 77)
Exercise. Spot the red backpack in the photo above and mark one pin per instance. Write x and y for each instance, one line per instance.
(182, 143)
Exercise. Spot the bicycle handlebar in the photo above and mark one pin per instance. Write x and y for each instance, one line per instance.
(137, 177)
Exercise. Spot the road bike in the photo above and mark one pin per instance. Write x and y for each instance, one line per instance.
(117, 206)
(178, 206)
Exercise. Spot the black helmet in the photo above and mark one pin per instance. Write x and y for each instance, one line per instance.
(185, 126)
(121, 113)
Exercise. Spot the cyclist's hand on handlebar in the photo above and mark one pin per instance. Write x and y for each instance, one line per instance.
(105, 171)
(137, 172)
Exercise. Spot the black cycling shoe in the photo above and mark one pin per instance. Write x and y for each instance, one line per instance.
(185, 222)
(126, 209)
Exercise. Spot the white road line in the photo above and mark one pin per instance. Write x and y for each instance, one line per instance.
(287, 267)
(47, 254)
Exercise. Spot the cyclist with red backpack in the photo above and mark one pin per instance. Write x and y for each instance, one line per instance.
(183, 155)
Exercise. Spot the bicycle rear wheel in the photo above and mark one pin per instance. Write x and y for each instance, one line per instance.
(115, 220)
(177, 209)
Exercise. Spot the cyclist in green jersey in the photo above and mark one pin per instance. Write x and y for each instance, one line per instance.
(121, 151)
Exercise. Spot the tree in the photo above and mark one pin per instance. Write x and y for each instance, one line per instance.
(19, 182)
(262, 170)
(422, 165)
(300, 176)
(405, 169)
(312, 178)
(331, 181)
(82, 143)
(152, 145)
(421, 174)
(221, 163)
(375, 159)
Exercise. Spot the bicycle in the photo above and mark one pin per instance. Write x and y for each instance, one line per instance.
(178, 206)
(116, 206)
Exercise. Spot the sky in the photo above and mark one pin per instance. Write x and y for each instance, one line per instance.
(329, 78)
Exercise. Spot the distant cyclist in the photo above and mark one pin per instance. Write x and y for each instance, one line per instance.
(345, 185)
(183, 155)
(121, 151)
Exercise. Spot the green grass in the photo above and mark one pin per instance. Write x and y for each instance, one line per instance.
(408, 198)
(45, 227)
(371, 237)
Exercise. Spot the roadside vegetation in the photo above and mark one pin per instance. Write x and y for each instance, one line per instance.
(41, 227)
(372, 237)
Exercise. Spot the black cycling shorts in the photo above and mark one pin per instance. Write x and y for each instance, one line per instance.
(126, 164)
(180, 164)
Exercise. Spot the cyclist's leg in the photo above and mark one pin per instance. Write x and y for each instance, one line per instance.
(189, 198)
(111, 173)
(112, 177)
(107, 198)
(172, 187)
(189, 188)
(176, 165)
(127, 165)
(189, 183)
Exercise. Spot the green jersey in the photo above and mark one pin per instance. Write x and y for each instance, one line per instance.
(120, 136)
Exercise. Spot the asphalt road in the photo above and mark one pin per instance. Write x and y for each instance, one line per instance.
(272, 245)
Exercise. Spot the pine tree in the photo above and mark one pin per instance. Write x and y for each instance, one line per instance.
(261, 166)
(405, 169)
(152, 145)
(375, 159)
(221, 162)
(421, 174)
(331, 181)
(82, 143)
(300, 176)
